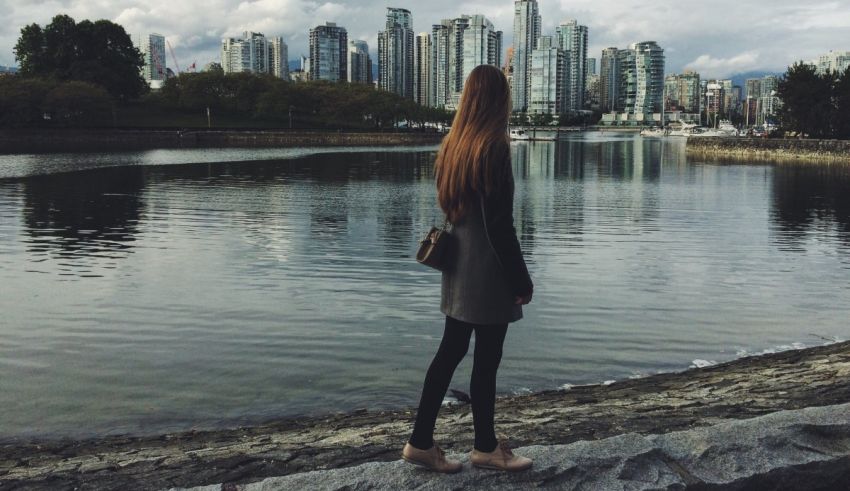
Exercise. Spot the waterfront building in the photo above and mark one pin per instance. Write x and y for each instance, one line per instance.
(590, 67)
(639, 84)
(834, 61)
(527, 26)
(682, 92)
(547, 91)
(753, 87)
(279, 53)
(422, 69)
(768, 101)
(152, 47)
(359, 63)
(457, 47)
(609, 76)
(329, 53)
(396, 53)
(299, 75)
(254, 53)
(649, 73)
(572, 39)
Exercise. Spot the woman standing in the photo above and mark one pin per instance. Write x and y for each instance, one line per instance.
(486, 282)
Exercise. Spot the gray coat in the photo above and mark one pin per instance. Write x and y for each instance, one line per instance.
(475, 287)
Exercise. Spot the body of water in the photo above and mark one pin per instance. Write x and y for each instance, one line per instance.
(166, 290)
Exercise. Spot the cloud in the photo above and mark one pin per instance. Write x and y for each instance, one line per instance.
(721, 36)
(709, 67)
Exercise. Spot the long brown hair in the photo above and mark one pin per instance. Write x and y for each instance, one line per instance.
(473, 158)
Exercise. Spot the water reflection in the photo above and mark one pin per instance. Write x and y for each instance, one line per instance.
(83, 217)
(267, 287)
(810, 201)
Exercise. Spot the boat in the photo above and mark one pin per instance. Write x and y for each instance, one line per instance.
(518, 134)
(684, 130)
(654, 132)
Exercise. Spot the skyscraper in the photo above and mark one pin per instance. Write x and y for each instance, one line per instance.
(682, 92)
(548, 78)
(527, 25)
(279, 54)
(834, 61)
(457, 47)
(396, 53)
(329, 53)
(641, 78)
(609, 75)
(359, 63)
(152, 47)
(422, 69)
(254, 53)
(572, 38)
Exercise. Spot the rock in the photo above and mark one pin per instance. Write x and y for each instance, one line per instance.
(805, 449)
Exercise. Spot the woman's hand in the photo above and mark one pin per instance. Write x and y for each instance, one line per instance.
(523, 300)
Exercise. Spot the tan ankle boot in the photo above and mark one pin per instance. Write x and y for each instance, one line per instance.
(434, 458)
(501, 459)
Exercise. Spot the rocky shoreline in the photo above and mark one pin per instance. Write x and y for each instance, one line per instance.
(659, 404)
(770, 149)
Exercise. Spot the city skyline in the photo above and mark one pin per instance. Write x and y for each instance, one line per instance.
(717, 40)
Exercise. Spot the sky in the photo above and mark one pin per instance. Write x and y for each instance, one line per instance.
(717, 38)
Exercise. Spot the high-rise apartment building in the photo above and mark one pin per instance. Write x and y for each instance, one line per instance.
(834, 61)
(642, 78)
(547, 92)
(329, 53)
(609, 76)
(572, 38)
(457, 47)
(254, 53)
(279, 53)
(359, 63)
(527, 26)
(682, 93)
(154, 70)
(422, 69)
(396, 53)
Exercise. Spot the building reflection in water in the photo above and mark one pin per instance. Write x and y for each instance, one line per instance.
(810, 201)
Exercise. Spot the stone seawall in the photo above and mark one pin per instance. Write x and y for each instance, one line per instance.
(774, 149)
(17, 141)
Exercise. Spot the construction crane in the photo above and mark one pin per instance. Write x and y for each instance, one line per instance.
(173, 57)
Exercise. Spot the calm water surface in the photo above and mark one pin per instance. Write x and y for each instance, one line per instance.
(144, 292)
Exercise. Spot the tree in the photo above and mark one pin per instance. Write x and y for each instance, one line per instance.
(98, 52)
(806, 100)
(21, 100)
(78, 104)
(841, 112)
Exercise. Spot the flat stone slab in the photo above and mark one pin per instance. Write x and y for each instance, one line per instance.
(805, 449)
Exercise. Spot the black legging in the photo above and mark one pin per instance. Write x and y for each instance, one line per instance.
(488, 353)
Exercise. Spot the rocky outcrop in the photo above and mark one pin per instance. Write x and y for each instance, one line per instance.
(773, 149)
(701, 397)
(806, 449)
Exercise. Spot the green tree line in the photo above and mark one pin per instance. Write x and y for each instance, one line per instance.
(813, 104)
(89, 74)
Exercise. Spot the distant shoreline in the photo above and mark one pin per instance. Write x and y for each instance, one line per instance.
(771, 149)
(76, 140)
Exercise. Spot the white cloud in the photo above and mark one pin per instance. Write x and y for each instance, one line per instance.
(722, 36)
(709, 67)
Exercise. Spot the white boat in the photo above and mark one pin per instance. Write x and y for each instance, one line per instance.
(654, 132)
(518, 134)
(522, 135)
(685, 130)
